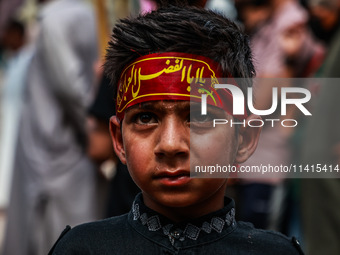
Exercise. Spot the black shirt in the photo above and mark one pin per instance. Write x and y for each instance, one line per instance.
(144, 231)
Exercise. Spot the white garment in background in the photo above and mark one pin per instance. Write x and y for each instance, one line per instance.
(53, 181)
(10, 112)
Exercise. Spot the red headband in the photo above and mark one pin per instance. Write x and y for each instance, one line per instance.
(171, 76)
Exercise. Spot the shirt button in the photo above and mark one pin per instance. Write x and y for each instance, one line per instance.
(176, 234)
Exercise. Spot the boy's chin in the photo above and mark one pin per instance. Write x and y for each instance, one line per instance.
(176, 199)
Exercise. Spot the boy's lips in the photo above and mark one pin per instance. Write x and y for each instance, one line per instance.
(173, 178)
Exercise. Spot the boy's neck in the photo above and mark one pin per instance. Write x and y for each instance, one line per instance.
(182, 214)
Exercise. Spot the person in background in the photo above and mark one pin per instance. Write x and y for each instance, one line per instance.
(12, 39)
(53, 179)
(319, 198)
(15, 56)
(283, 47)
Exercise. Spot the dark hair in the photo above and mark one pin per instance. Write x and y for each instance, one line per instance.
(15, 25)
(165, 3)
(254, 3)
(180, 29)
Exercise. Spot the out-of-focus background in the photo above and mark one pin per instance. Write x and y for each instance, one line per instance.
(57, 165)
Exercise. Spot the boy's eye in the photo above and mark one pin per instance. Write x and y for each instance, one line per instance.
(145, 118)
(197, 120)
(198, 117)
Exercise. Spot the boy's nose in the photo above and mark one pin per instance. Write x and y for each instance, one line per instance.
(173, 139)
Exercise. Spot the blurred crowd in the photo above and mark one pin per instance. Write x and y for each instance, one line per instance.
(57, 164)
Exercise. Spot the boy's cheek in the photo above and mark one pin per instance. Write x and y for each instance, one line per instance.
(137, 154)
(219, 146)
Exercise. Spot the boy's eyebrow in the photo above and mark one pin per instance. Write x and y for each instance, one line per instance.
(180, 107)
(147, 106)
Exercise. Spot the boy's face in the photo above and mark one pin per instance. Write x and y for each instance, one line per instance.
(154, 142)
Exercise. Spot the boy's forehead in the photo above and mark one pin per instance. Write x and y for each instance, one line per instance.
(176, 106)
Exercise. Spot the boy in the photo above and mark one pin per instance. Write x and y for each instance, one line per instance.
(154, 58)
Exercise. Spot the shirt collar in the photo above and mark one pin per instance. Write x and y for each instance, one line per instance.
(161, 230)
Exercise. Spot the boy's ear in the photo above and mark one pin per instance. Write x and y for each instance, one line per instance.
(247, 140)
(117, 138)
